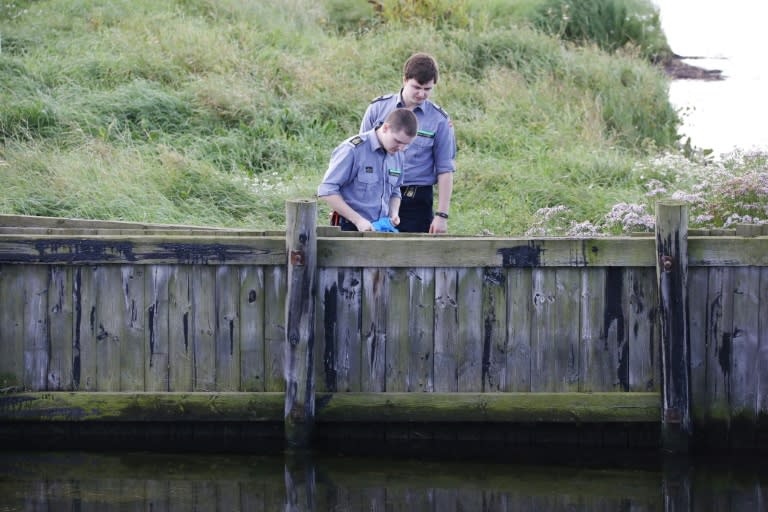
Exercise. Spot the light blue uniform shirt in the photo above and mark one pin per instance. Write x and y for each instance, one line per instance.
(364, 175)
(433, 150)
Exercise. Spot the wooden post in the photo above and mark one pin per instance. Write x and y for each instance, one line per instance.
(301, 249)
(672, 276)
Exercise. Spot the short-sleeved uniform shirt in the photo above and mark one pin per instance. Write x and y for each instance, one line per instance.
(433, 150)
(364, 175)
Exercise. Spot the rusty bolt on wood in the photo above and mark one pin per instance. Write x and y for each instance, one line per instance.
(666, 263)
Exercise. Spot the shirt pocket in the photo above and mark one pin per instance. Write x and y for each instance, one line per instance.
(367, 175)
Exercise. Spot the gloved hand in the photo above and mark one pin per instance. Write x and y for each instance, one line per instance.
(384, 224)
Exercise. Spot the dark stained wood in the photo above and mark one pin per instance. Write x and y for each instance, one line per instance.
(301, 247)
(672, 276)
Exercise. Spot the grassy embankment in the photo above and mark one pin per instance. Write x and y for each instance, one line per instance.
(214, 112)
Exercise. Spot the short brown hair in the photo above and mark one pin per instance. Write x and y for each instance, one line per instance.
(422, 67)
(403, 120)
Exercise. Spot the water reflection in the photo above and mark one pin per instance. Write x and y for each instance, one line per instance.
(160, 482)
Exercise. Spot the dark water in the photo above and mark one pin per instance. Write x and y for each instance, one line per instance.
(81, 481)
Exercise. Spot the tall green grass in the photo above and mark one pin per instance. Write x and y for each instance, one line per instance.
(214, 112)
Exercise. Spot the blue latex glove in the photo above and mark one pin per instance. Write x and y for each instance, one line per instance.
(384, 224)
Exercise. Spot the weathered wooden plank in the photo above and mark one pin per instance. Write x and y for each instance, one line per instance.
(566, 335)
(494, 314)
(519, 309)
(227, 328)
(204, 328)
(398, 341)
(11, 326)
(470, 329)
(138, 250)
(483, 252)
(348, 340)
(374, 325)
(107, 326)
(488, 407)
(421, 329)
(84, 343)
(157, 332)
(745, 343)
(334, 407)
(543, 357)
(727, 251)
(301, 246)
(132, 339)
(35, 328)
(597, 355)
(643, 329)
(181, 325)
(252, 320)
(275, 286)
(698, 289)
(446, 330)
(762, 365)
(24, 221)
(325, 329)
(60, 314)
(719, 343)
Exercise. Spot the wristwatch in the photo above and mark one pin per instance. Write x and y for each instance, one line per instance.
(442, 214)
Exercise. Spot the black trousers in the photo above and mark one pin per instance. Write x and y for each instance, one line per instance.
(416, 209)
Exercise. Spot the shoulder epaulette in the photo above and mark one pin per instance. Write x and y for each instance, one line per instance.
(356, 140)
(381, 98)
(439, 109)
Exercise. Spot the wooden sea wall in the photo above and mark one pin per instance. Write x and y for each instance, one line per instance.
(140, 308)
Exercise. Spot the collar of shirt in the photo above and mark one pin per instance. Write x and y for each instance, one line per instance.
(401, 102)
(373, 141)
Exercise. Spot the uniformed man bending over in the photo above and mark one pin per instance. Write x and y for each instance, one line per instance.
(429, 160)
(362, 183)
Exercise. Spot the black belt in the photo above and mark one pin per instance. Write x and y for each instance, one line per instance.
(410, 190)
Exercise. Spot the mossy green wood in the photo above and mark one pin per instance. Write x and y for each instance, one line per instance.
(227, 293)
(488, 407)
(157, 332)
(203, 328)
(519, 306)
(11, 326)
(398, 321)
(60, 313)
(470, 329)
(334, 407)
(374, 329)
(745, 344)
(252, 294)
(181, 325)
(494, 317)
(141, 406)
(134, 351)
(446, 330)
(421, 329)
(727, 251)
(275, 287)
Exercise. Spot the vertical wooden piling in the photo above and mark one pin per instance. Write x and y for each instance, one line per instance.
(672, 275)
(301, 250)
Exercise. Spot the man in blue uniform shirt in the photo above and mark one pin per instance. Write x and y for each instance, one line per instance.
(429, 160)
(362, 183)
